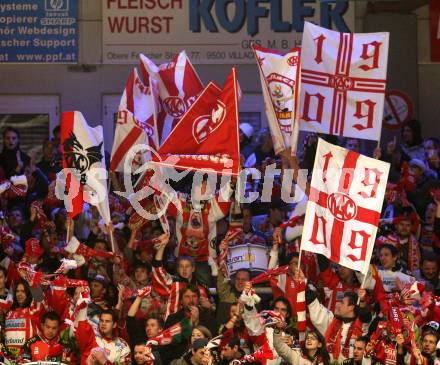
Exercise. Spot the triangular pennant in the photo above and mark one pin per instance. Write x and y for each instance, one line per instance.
(279, 75)
(206, 138)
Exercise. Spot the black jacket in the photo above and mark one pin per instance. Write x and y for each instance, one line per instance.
(8, 161)
(175, 351)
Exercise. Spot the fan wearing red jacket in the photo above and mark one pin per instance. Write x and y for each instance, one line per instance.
(48, 345)
(5, 296)
(336, 284)
(169, 287)
(116, 349)
(283, 285)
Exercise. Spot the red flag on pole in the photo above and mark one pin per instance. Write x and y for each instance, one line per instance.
(206, 138)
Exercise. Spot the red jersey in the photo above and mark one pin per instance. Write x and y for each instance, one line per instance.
(21, 325)
(334, 289)
(196, 229)
(117, 350)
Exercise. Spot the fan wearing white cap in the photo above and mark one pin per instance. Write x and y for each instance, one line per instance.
(246, 133)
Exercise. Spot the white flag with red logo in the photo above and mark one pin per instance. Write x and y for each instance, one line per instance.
(136, 119)
(279, 75)
(343, 78)
(345, 202)
(179, 85)
(83, 155)
(206, 138)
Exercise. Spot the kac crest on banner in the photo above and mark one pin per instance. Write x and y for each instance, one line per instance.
(178, 86)
(204, 125)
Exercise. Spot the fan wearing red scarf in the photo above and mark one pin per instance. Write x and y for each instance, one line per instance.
(116, 349)
(344, 326)
(170, 287)
(282, 281)
(387, 343)
(261, 326)
(409, 246)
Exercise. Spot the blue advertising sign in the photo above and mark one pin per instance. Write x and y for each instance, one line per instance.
(39, 31)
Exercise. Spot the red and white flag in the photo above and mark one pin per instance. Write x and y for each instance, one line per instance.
(345, 202)
(279, 75)
(83, 155)
(179, 85)
(136, 119)
(343, 78)
(206, 138)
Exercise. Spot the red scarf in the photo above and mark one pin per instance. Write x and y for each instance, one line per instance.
(333, 337)
(389, 354)
(413, 254)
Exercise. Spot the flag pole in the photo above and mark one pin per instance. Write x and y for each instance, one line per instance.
(112, 239)
(366, 273)
(110, 226)
(68, 230)
(154, 98)
(109, 181)
(299, 258)
(380, 138)
(362, 285)
(364, 279)
(295, 113)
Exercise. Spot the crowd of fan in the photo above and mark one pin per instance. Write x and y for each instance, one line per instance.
(65, 296)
